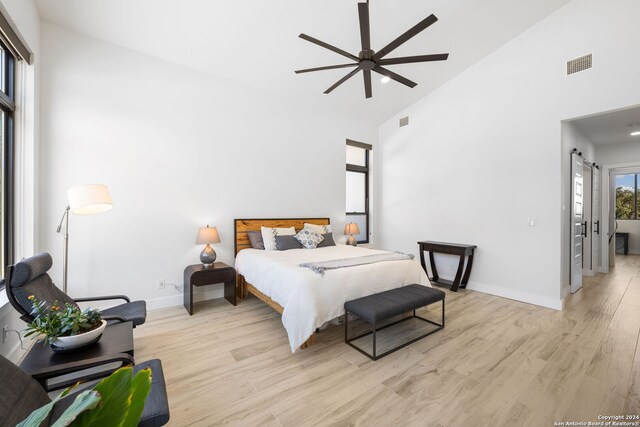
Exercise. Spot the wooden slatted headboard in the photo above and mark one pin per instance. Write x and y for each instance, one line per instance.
(241, 226)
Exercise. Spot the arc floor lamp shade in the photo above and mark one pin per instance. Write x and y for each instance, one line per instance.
(89, 199)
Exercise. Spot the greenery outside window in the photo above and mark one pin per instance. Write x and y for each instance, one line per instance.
(627, 196)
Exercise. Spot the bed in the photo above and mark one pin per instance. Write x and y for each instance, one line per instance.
(305, 299)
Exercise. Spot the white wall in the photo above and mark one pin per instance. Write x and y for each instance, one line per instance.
(178, 149)
(571, 138)
(483, 152)
(24, 15)
(618, 154)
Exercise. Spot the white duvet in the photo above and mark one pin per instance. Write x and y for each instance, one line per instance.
(310, 299)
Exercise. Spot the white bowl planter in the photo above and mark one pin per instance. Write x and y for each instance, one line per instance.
(79, 340)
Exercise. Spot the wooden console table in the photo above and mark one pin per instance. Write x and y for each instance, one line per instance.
(462, 275)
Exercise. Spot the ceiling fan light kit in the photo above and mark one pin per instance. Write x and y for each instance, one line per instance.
(369, 60)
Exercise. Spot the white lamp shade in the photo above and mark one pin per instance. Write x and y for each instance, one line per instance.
(207, 235)
(89, 199)
(351, 228)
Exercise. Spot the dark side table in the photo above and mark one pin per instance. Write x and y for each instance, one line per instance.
(199, 275)
(44, 365)
(623, 238)
(462, 275)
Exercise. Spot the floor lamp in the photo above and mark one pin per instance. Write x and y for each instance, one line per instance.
(87, 199)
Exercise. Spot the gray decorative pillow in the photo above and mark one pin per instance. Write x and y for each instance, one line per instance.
(328, 241)
(255, 237)
(284, 243)
(309, 239)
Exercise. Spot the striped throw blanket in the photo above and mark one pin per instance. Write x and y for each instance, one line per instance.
(321, 267)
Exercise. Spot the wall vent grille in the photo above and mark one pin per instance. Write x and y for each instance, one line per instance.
(579, 64)
(404, 121)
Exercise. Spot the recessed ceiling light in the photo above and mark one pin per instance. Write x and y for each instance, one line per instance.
(385, 79)
(637, 133)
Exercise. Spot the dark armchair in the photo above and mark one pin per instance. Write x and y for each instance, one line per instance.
(22, 394)
(29, 277)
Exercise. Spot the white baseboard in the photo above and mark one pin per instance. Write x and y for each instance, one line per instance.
(555, 304)
(177, 300)
(164, 302)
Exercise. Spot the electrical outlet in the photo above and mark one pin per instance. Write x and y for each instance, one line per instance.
(161, 284)
(452, 268)
(5, 331)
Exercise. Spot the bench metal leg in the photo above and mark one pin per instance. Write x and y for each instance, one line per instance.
(374, 340)
(346, 325)
(443, 313)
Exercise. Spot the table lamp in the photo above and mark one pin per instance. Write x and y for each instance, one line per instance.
(349, 230)
(207, 235)
(86, 199)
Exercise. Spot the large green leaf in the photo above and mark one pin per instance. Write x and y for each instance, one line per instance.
(88, 399)
(140, 388)
(115, 391)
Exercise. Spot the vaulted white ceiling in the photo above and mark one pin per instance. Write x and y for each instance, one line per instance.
(255, 42)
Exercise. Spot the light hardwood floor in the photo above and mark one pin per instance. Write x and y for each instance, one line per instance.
(497, 363)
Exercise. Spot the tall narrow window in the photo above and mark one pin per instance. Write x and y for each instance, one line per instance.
(626, 196)
(357, 181)
(7, 109)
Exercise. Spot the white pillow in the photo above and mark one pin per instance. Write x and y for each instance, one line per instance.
(320, 229)
(269, 236)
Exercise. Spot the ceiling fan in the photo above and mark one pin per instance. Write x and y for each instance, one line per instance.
(368, 60)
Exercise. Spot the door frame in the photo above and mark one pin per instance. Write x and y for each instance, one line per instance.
(605, 187)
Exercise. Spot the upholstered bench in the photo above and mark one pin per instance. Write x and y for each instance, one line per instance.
(382, 306)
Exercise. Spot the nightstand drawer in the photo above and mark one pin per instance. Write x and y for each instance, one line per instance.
(213, 276)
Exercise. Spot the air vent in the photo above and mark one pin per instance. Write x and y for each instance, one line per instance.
(404, 121)
(579, 64)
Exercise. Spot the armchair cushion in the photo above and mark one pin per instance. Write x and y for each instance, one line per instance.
(134, 311)
(20, 394)
(43, 289)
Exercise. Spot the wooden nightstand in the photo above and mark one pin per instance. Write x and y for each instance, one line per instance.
(199, 275)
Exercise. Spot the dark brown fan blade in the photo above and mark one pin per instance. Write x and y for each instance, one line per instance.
(328, 46)
(410, 59)
(415, 30)
(397, 77)
(342, 80)
(367, 83)
(365, 32)
(328, 67)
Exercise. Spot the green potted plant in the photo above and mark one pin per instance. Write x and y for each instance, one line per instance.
(65, 327)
